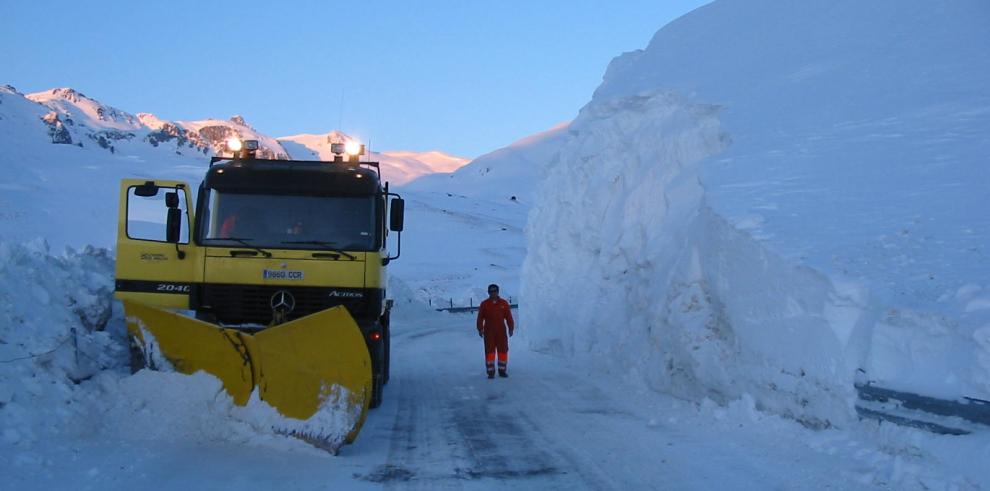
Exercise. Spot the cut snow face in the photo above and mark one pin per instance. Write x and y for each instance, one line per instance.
(836, 228)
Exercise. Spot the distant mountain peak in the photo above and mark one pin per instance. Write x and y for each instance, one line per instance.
(336, 136)
(239, 120)
(150, 120)
(74, 105)
(70, 94)
(397, 167)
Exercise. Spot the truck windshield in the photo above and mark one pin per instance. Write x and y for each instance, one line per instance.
(288, 222)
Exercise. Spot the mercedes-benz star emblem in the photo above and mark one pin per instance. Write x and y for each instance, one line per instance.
(283, 302)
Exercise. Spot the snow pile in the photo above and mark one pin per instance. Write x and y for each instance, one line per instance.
(778, 199)
(407, 304)
(55, 333)
(171, 407)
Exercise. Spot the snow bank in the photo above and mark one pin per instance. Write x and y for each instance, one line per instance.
(55, 332)
(628, 263)
(171, 407)
(776, 199)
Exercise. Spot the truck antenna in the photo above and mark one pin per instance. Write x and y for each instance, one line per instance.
(340, 111)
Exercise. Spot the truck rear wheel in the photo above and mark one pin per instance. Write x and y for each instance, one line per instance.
(387, 343)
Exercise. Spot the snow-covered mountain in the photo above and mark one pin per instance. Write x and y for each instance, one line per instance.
(44, 133)
(73, 118)
(436, 160)
(509, 173)
(72, 105)
(781, 200)
(398, 167)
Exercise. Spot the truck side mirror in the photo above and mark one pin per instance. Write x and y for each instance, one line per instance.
(173, 223)
(397, 214)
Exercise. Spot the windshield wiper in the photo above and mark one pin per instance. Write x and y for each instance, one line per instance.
(331, 245)
(245, 243)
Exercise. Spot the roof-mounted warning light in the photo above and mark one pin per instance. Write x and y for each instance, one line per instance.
(242, 149)
(351, 148)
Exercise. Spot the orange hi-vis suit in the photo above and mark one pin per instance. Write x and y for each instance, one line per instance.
(493, 317)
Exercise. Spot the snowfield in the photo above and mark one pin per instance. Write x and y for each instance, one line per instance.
(771, 204)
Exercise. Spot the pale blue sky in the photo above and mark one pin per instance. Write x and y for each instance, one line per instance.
(466, 77)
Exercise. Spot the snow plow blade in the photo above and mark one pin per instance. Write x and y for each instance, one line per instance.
(297, 367)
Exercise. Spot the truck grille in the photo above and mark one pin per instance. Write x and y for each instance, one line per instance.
(251, 304)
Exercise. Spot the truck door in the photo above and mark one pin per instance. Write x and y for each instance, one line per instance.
(155, 257)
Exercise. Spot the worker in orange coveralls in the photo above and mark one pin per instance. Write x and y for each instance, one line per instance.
(494, 316)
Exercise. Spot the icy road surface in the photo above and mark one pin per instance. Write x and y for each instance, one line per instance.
(551, 425)
(554, 426)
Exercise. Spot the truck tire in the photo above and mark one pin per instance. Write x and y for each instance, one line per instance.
(137, 357)
(377, 387)
(387, 341)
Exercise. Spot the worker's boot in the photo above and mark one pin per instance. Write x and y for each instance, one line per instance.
(491, 374)
(502, 373)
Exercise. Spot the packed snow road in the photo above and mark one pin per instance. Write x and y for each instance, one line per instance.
(444, 425)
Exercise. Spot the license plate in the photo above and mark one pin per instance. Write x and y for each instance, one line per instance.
(281, 274)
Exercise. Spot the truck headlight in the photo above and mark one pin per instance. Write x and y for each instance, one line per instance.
(354, 148)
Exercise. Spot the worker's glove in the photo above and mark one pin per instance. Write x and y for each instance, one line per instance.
(481, 333)
(511, 331)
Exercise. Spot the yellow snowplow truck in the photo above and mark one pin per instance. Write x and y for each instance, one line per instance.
(274, 282)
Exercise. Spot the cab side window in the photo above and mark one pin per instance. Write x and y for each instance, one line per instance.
(147, 215)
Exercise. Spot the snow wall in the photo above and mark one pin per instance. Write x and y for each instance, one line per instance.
(727, 218)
